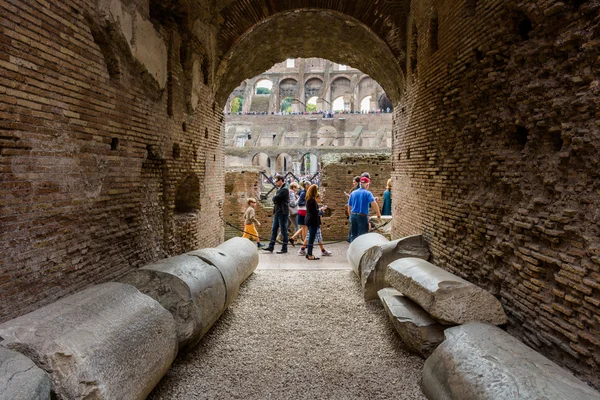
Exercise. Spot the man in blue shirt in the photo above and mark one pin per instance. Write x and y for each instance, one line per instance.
(359, 202)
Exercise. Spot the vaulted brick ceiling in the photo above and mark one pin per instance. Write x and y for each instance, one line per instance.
(255, 34)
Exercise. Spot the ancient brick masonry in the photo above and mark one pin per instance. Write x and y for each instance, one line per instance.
(496, 160)
(93, 150)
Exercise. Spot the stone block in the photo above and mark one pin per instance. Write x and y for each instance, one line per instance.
(106, 342)
(192, 290)
(375, 260)
(20, 379)
(421, 333)
(360, 245)
(481, 361)
(446, 297)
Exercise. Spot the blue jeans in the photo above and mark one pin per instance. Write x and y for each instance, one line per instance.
(312, 234)
(359, 225)
(280, 221)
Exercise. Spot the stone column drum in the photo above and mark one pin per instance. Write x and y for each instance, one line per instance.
(236, 259)
(374, 262)
(446, 297)
(481, 361)
(360, 245)
(106, 342)
(192, 290)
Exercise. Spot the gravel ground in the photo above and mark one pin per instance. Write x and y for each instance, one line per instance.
(297, 334)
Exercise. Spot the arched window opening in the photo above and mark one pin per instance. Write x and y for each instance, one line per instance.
(264, 86)
(283, 163)
(365, 105)
(286, 105)
(309, 165)
(311, 104)
(338, 104)
(236, 104)
(261, 160)
(187, 197)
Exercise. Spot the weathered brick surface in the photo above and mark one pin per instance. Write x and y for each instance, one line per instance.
(516, 215)
(73, 212)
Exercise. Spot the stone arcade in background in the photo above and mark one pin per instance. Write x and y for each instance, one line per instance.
(446, 297)
(481, 361)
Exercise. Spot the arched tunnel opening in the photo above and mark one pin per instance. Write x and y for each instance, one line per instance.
(107, 107)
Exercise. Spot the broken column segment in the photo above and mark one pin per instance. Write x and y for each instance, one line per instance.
(446, 297)
(481, 361)
(236, 259)
(192, 290)
(375, 260)
(21, 379)
(421, 333)
(198, 286)
(361, 244)
(106, 342)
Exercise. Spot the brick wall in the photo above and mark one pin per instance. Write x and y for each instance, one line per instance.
(90, 161)
(496, 162)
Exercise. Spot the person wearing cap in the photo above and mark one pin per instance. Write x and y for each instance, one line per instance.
(359, 202)
(281, 212)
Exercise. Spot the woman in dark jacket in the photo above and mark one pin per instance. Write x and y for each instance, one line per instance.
(313, 219)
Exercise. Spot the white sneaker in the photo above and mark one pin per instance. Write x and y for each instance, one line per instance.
(325, 253)
(301, 252)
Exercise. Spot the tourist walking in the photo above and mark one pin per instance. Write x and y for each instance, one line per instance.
(293, 207)
(313, 219)
(281, 213)
(359, 202)
(250, 223)
(387, 199)
(300, 219)
(355, 184)
(318, 236)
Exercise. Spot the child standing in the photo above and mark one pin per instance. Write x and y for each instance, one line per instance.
(249, 221)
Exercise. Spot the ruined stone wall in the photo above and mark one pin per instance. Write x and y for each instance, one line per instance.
(338, 172)
(496, 161)
(99, 130)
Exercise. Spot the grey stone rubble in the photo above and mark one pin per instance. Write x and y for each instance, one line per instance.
(446, 297)
(421, 333)
(375, 260)
(198, 286)
(481, 361)
(360, 245)
(20, 379)
(86, 341)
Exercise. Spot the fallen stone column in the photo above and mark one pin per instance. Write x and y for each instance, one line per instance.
(446, 297)
(361, 244)
(421, 333)
(21, 379)
(192, 290)
(106, 342)
(375, 260)
(481, 361)
(235, 258)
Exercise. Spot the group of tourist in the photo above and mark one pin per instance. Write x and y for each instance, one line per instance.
(299, 204)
